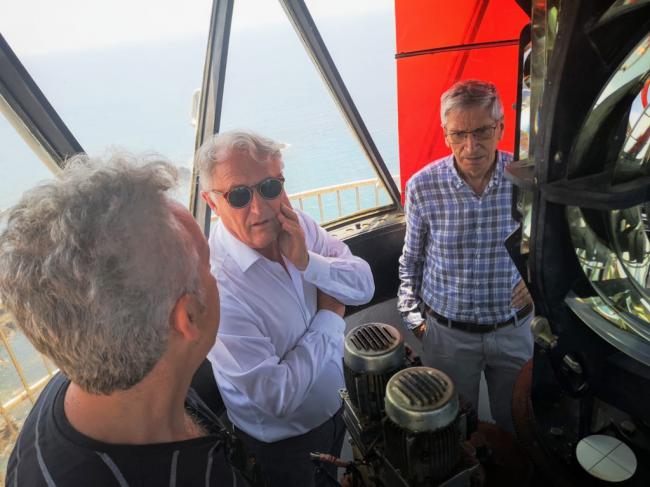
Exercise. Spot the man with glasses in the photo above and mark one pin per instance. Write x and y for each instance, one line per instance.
(460, 292)
(284, 283)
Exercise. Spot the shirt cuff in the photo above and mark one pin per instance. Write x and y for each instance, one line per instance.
(318, 268)
(412, 319)
(328, 322)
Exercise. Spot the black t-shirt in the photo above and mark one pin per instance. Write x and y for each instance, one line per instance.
(50, 452)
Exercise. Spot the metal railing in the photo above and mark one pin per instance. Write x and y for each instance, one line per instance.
(338, 190)
(13, 411)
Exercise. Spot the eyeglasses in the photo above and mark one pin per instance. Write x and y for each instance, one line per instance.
(482, 133)
(241, 196)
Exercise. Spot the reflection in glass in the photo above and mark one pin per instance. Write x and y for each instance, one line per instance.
(524, 114)
(609, 271)
(524, 201)
(544, 28)
(627, 83)
(635, 157)
(613, 246)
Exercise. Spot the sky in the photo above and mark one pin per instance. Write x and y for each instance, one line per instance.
(34, 27)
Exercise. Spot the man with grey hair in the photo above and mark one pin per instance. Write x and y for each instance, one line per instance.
(111, 279)
(454, 267)
(284, 283)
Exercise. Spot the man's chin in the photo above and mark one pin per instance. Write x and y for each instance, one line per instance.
(263, 239)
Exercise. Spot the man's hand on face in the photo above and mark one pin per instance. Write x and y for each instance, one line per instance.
(520, 296)
(325, 301)
(292, 237)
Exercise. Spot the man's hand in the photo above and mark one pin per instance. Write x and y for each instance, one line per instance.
(520, 296)
(419, 331)
(292, 237)
(325, 301)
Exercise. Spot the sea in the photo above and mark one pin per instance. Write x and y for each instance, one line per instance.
(138, 98)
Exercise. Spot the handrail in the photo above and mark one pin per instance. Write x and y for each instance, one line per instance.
(10, 424)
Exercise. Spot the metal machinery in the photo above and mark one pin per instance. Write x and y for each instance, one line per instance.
(405, 421)
(583, 190)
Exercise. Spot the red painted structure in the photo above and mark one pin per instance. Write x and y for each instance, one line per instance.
(439, 43)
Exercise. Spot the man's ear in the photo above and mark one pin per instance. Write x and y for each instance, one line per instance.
(184, 317)
(501, 129)
(205, 196)
(444, 136)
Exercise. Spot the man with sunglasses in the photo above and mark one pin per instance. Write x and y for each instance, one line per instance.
(284, 283)
(460, 292)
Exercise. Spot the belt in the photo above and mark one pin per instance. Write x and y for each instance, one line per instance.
(477, 327)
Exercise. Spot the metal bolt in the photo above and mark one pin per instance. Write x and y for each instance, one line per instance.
(628, 426)
(573, 364)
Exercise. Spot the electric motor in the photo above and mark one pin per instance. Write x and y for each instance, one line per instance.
(373, 353)
(422, 435)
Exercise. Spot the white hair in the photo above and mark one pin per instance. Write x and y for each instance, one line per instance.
(470, 94)
(218, 148)
(91, 266)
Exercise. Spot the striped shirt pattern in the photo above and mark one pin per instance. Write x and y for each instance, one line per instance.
(49, 452)
(454, 258)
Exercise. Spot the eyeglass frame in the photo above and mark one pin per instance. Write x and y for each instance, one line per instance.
(471, 133)
(251, 189)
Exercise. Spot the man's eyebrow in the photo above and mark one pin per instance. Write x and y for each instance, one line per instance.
(467, 131)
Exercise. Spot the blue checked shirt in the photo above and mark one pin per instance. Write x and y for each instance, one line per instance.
(454, 258)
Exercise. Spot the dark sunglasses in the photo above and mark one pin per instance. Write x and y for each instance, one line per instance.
(241, 196)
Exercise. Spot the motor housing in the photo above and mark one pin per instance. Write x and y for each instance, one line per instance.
(422, 433)
(373, 353)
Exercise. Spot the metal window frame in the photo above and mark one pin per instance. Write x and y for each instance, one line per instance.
(30, 112)
(209, 119)
(307, 30)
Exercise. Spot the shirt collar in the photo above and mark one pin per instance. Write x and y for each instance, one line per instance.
(241, 253)
(458, 181)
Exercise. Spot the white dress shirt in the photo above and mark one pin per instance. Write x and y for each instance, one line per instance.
(277, 359)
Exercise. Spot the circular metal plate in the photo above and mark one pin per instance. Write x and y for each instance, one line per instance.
(606, 458)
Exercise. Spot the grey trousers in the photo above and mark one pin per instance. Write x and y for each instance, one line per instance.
(463, 356)
(287, 463)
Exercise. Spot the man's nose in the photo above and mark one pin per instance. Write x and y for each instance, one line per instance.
(470, 142)
(258, 203)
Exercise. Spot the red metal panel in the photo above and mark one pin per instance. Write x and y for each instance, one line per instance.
(421, 79)
(430, 24)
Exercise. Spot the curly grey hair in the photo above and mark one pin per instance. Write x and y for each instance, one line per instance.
(469, 94)
(219, 147)
(91, 266)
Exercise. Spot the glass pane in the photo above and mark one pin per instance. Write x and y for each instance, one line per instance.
(602, 265)
(120, 74)
(20, 167)
(360, 37)
(613, 247)
(273, 88)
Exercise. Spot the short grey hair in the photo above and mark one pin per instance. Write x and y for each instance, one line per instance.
(92, 264)
(218, 148)
(470, 94)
